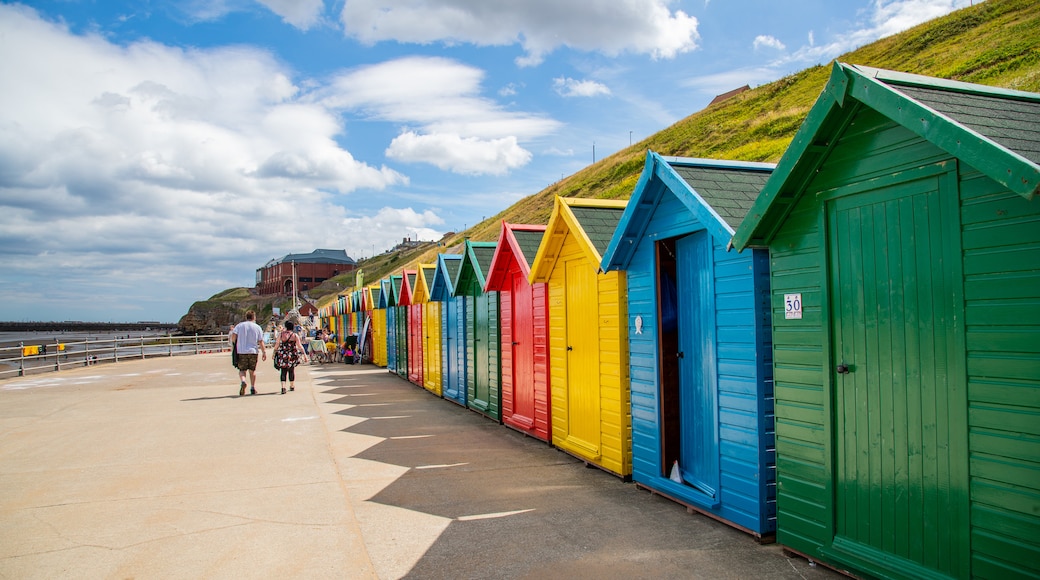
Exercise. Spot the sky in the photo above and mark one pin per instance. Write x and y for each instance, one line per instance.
(156, 152)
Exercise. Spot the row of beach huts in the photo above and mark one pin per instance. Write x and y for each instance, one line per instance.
(842, 349)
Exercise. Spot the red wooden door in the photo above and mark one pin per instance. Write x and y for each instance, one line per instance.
(523, 350)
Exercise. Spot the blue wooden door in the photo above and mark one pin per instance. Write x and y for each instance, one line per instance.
(391, 339)
(455, 350)
(698, 397)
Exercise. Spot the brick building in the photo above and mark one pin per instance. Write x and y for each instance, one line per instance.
(276, 276)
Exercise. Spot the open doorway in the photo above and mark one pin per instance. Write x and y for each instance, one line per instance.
(688, 375)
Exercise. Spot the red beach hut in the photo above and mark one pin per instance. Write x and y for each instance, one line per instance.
(415, 331)
(524, 330)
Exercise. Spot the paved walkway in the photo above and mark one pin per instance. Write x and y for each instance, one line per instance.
(158, 469)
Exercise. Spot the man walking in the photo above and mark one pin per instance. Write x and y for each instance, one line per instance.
(248, 337)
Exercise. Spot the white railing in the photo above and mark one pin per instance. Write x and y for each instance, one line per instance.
(31, 358)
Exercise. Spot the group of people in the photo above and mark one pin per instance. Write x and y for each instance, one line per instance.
(290, 350)
(248, 346)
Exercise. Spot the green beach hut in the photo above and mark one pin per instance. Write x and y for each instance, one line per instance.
(904, 240)
(483, 347)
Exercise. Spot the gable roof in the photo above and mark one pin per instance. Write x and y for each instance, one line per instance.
(517, 243)
(315, 257)
(396, 289)
(444, 278)
(372, 296)
(384, 293)
(717, 193)
(996, 131)
(476, 259)
(591, 221)
(407, 287)
(423, 283)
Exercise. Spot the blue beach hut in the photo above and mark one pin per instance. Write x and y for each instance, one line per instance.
(700, 363)
(453, 328)
(400, 326)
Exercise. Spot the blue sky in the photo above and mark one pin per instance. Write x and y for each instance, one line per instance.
(155, 152)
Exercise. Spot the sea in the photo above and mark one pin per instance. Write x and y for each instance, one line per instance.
(49, 337)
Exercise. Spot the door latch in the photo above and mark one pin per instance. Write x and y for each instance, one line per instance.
(843, 369)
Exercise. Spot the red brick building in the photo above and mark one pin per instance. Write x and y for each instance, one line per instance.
(276, 277)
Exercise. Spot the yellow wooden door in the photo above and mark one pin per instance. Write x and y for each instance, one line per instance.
(432, 347)
(582, 355)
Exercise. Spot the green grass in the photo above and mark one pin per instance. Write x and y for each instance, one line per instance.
(994, 43)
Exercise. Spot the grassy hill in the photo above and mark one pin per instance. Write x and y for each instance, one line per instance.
(994, 43)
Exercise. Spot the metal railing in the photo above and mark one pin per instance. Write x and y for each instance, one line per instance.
(38, 357)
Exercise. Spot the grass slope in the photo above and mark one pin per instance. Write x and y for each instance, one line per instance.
(993, 43)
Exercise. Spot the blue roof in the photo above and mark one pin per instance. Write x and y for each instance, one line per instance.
(443, 286)
(718, 193)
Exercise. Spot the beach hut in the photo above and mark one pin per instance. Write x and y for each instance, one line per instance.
(483, 371)
(377, 325)
(453, 328)
(431, 329)
(414, 331)
(904, 239)
(588, 338)
(524, 335)
(400, 326)
(701, 352)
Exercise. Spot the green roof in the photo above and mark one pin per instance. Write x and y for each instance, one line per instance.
(484, 255)
(996, 131)
(1012, 123)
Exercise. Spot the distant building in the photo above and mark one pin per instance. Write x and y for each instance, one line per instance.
(276, 276)
(728, 95)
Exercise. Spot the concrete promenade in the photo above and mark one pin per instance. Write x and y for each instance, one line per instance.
(158, 469)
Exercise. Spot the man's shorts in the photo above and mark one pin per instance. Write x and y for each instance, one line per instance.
(247, 362)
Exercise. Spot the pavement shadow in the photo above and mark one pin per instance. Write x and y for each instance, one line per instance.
(233, 396)
(520, 508)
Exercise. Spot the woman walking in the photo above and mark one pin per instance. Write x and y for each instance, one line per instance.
(288, 351)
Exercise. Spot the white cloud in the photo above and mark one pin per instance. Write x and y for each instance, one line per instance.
(716, 84)
(768, 42)
(157, 169)
(884, 18)
(443, 98)
(302, 14)
(568, 87)
(509, 90)
(387, 227)
(539, 26)
(465, 155)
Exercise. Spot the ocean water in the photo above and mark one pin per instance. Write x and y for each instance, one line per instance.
(52, 337)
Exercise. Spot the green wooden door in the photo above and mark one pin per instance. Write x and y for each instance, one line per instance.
(900, 425)
(480, 372)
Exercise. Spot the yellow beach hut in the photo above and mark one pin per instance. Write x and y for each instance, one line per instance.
(377, 326)
(588, 345)
(430, 329)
